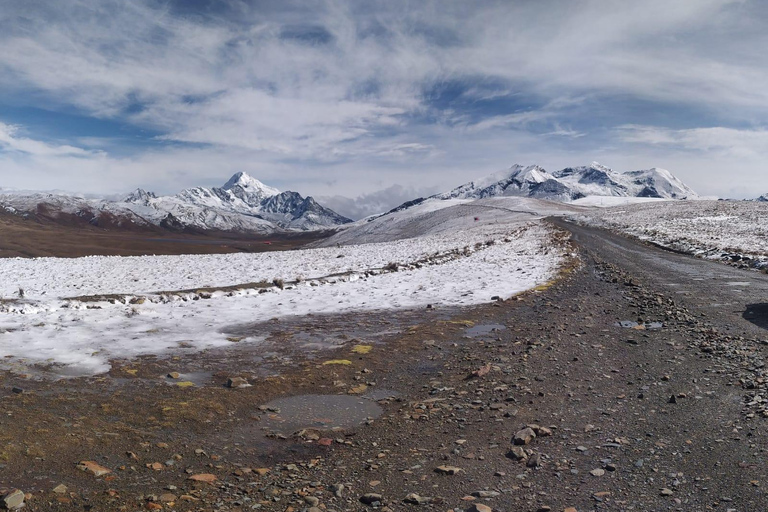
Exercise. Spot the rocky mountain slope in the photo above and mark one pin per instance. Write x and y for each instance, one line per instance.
(242, 204)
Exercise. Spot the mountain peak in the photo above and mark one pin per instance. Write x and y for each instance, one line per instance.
(600, 167)
(249, 184)
(139, 196)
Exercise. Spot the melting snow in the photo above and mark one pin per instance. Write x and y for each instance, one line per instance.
(81, 337)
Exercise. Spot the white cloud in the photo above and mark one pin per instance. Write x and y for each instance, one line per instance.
(11, 141)
(741, 143)
(348, 112)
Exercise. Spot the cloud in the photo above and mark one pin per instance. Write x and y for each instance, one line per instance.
(375, 202)
(341, 94)
(10, 141)
(742, 143)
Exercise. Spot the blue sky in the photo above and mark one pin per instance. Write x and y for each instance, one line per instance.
(379, 101)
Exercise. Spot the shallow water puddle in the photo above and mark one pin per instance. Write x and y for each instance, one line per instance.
(319, 411)
(483, 329)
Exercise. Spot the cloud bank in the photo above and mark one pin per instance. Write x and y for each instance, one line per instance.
(345, 99)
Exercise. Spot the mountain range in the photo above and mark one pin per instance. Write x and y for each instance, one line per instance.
(573, 183)
(242, 204)
(246, 205)
(566, 185)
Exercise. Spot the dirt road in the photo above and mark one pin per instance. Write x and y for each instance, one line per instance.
(640, 372)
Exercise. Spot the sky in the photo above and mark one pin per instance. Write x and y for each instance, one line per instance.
(367, 103)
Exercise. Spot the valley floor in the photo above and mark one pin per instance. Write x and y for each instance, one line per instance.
(669, 417)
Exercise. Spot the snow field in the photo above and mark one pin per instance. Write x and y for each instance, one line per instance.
(81, 337)
(710, 229)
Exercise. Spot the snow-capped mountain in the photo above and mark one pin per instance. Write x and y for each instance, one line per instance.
(762, 199)
(243, 204)
(573, 183)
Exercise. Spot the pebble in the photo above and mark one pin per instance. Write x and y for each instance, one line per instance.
(479, 507)
(667, 492)
(597, 472)
(534, 461)
(312, 501)
(60, 489)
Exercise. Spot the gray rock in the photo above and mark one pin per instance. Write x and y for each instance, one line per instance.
(524, 436)
(13, 500)
(237, 382)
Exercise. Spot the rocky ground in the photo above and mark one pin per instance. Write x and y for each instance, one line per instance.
(567, 398)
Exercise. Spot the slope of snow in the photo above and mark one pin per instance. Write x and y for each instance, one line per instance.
(80, 338)
(445, 217)
(609, 201)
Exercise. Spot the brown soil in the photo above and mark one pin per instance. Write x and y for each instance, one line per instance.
(39, 236)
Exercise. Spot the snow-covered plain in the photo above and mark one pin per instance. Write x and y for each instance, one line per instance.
(719, 230)
(50, 326)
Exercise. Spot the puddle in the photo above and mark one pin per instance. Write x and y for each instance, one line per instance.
(319, 411)
(196, 378)
(629, 324)
(481, 330)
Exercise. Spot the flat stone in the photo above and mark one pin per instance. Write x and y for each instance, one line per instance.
(203, 477)
(485, 494)
(312, 501)
(667, 492)
(447, 470)
(167, 498)
(415, 499)
(479, 507)
(93, 468)
(60, 489)
(597, 472)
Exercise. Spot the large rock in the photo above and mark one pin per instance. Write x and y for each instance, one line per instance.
(13, 500)
(524, 436)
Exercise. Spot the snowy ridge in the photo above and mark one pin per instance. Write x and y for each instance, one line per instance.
(572, 183)
(243, 204)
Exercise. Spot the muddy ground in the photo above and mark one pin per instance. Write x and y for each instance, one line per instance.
(424, 407)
